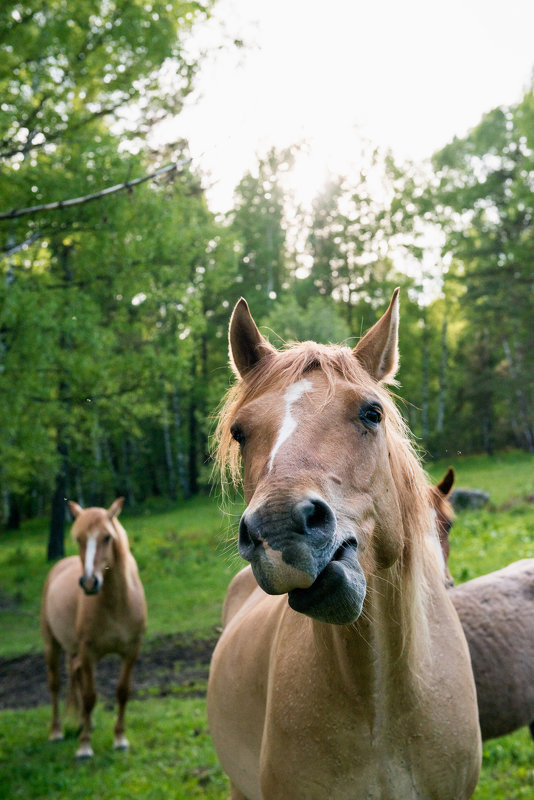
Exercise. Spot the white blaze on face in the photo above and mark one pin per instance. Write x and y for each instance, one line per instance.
(90, 552)
(289, 423)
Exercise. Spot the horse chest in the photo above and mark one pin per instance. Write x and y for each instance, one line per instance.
(310, 729)
(105, 628)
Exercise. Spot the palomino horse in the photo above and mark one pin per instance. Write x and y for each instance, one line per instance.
(92, 609)
(345, 674)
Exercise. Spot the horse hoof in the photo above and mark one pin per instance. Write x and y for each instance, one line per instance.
(84, 753)
(56, 736)
(121, 744)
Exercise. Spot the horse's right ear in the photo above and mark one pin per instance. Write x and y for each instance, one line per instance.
(444, 487)
(378, 351)
(246, 344)
(74, 508)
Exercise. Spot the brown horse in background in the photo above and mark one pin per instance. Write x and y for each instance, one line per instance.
(342, 671)
(497, 615)
(90, 609)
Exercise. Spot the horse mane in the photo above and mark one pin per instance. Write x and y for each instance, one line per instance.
(417, 569)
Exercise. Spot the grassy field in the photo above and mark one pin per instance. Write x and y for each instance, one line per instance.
(187, 557)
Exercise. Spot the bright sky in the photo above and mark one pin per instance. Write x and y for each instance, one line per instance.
(406, 74)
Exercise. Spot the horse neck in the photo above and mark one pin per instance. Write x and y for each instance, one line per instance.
(380, 656)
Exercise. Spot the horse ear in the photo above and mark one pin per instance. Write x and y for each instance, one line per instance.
(444, 487)
(74, 508)
(247, 345)
(115, 508)
(378, 351)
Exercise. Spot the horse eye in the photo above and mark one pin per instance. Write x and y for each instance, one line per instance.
(107, 539)
(237, 434)
(371, 414)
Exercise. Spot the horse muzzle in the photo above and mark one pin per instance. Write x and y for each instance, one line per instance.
(287, 545)
(91, 584)
(295, 547)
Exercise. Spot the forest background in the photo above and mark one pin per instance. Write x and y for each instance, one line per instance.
(114, 308)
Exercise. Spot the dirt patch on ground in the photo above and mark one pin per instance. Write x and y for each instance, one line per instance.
(166, 665)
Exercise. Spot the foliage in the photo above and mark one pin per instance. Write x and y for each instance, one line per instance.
(319, 321)
(104, 306)
(482, 197)
(258, 222)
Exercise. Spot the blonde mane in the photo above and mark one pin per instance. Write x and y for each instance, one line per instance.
(418, 568)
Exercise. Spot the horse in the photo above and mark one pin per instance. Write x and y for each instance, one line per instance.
(342, 670)
(497, 615)
(91, 609)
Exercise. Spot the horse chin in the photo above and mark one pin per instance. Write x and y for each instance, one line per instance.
(338, 593)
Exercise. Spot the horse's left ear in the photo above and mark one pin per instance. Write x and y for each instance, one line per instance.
(378, 351)
(247, 345)
(115, 508)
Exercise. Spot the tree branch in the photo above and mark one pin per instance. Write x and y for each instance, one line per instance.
(9, 252)
(76, 201)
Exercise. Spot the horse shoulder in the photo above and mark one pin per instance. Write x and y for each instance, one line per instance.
(61, 598)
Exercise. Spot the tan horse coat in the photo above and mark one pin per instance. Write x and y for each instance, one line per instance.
(110, 618)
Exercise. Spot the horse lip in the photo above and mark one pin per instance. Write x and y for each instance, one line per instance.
(350, 541)
(337, 594)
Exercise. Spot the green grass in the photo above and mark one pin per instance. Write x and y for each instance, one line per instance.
(170, 756)
(186, 560)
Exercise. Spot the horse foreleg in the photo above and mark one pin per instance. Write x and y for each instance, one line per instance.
(84, 676)
(120, 742)
(52, 655)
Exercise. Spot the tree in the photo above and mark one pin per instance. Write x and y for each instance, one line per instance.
(80, 273)
(258, 223)
(483, 198)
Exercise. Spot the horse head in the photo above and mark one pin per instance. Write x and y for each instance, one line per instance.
(95, 533)
(312, 424)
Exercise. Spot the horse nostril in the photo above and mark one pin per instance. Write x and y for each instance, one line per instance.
(314, 516)
(248, 538)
